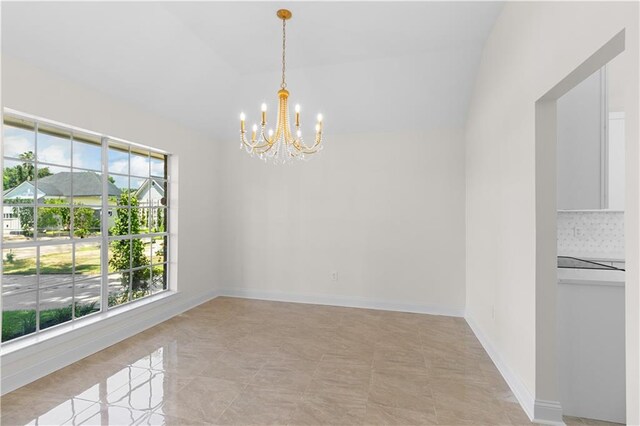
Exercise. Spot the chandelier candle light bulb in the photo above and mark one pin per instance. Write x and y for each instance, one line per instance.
(280, 146)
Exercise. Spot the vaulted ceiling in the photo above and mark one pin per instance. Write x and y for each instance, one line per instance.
(378, 66)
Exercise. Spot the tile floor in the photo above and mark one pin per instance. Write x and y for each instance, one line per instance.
(578, 421)
(248, 362)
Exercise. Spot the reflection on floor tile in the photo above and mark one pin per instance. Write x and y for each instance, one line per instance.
(238, 361)
(21, 409)
(103, 414)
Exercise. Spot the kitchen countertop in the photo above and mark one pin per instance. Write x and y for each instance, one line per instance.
(574, 262)
(591, 277)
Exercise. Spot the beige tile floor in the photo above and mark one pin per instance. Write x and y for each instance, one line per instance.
(248, 362)
(578, 421)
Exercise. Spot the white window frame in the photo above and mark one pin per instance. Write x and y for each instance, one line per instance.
(104, 239)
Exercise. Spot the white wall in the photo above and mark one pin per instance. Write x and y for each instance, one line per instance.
(384, 210)
(580, 124)
(616, 159)
(194, 167)
(533, 46)
(382, 205)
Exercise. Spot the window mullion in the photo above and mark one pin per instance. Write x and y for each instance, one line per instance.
(35, 223)
(167, 228)
(71, 237)
(104, 227)
(131, 210)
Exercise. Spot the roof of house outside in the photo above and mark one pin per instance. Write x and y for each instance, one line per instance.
(158, 183)
(23, 191)
(85, 184)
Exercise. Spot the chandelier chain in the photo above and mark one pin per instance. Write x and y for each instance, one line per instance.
(284, 64)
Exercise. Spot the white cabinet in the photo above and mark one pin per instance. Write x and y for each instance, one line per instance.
(591, 344)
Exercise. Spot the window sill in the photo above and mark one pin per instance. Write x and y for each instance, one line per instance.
(66, 329)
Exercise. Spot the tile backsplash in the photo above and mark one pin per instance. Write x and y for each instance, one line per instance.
(591, 234)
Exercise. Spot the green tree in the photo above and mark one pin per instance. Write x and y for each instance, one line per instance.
(55, 217)
(84, 218)
(162, 226)
(84, 221)
(14, 176)
(26, 217)
(123, 254)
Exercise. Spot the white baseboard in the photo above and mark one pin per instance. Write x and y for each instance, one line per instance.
(350, 302)
(542, 412)
(23, 365)
(548, 413)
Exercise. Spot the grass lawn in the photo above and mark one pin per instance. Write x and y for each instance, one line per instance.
(19, 267)
(19, 323)
(87, 262)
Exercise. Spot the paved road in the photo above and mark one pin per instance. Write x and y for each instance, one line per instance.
(16, 295)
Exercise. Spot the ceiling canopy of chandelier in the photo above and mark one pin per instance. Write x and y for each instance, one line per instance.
(280, 146)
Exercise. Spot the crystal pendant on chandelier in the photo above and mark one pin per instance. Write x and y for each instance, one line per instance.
(280, 146)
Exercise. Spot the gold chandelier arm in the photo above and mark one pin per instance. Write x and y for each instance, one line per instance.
(244, 141)
(256, 148)
(263, 136)
(255, 144)
(300, 146)
(253, 147)
(265, 147)
(308, 152)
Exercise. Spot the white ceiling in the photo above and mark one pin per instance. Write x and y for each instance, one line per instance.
(365, 65)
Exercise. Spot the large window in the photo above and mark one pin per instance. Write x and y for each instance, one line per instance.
(84, 224)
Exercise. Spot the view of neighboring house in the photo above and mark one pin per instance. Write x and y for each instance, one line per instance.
(86, 188)
(151, 193)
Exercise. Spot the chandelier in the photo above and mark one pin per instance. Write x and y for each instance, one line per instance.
(280, 146)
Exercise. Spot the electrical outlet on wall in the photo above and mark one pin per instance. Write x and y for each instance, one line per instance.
(334, 276)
